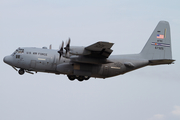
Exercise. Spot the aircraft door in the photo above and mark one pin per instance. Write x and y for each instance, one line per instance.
(19, 60)
(106, 70)
(33, 64)
(48, 61)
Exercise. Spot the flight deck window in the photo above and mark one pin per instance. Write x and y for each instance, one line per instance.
(14, 52)
(21, 51)
(17, 56)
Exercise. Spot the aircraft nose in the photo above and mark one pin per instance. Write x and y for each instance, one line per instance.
(8, 59)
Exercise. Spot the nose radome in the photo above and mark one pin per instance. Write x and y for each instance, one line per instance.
(5, 59)
(8, 60)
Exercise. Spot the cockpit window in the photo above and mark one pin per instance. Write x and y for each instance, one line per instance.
(19, 50)
(14, 52)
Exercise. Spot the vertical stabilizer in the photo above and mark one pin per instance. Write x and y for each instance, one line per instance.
(158, 47)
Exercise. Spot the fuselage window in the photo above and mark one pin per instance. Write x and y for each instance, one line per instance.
(28, 52)
(17, 56)
(34, 53)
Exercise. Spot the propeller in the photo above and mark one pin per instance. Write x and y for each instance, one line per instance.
(50, 46)
(67, 48)
(61, 50)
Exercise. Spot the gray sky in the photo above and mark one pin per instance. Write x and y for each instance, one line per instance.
(150, 93)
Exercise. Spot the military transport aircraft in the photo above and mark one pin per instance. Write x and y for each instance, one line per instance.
(81, 63)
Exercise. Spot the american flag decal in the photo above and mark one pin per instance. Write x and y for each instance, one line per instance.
(160, 44)
(159, 36)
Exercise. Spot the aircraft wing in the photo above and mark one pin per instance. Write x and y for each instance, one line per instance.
(99, 49)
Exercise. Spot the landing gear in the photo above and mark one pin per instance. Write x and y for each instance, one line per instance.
(79, 78)
(71, 77)
(86, 77)
(21, 71)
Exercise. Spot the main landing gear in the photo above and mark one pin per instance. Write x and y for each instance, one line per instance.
(21, 71)
(80, 78)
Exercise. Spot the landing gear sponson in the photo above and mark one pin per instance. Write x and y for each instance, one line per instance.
(71, 77)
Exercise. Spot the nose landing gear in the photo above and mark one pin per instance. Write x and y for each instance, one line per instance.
(21, 71)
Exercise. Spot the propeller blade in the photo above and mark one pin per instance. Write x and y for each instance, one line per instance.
(67, 48)
(61, 50)
(59, 57)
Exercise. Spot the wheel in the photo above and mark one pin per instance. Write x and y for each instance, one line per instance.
(71, 77)
(80, 78)
(86, 77)
(21, 71)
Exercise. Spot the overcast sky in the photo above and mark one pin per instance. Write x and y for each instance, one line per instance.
(150, 93)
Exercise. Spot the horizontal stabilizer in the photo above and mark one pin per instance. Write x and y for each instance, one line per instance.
(163, 61)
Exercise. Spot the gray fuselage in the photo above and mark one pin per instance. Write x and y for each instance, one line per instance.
(47, 60)
(94, 60)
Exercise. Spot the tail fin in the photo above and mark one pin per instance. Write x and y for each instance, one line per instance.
(158, 47)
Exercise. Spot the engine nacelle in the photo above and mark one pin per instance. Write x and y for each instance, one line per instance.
(65, 68)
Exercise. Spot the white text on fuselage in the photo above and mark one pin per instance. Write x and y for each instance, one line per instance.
(35, 53)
